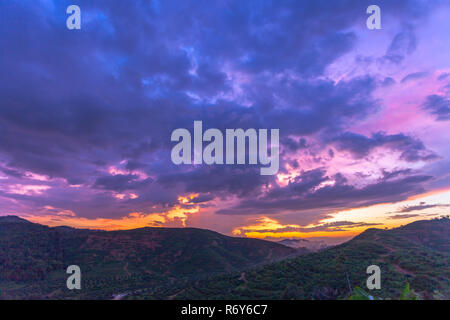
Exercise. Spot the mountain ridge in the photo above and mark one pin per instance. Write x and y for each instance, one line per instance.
(12, 219)
(417, 254)
(36, 256)
(193, 263)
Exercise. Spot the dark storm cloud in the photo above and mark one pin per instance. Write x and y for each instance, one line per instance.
(315, 105)
(411, 149)
(403, 44)
(294, 144)
(403, 216)
(414, 76)
(388, 81)
(421, 206)
(73, 103)
(301, 184)
(443, 76)
(12, 172)
(120, 182)
(302, 194)
(234, 180)
(438, 106)
(407, 216)
(396, 173)
(203, 198)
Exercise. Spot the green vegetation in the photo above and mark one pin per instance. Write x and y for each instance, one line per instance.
(33, 258)
(406, 294)
(162, 263)
(417, 254)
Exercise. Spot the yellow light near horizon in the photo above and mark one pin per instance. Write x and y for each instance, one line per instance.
(381, 213)
(133, 220)
(265, 227)
(295, 234)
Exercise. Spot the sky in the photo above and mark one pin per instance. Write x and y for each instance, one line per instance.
(86, 115)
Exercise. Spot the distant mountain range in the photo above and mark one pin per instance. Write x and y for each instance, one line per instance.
(189, 263)
(304, 244)
(293, 243)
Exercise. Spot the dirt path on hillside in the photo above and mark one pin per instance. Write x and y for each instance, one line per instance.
(403, 271)
(173, 296)
(392, 250)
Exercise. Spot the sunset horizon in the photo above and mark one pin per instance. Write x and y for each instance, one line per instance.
(304, 123)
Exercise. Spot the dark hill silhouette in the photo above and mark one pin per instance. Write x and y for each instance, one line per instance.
(37, 256)
(189, 263)
(12, 219)
(417, 253)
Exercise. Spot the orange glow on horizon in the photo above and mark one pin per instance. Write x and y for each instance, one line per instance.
(261, 227)
(295, 234)
(381, 216)
(175, 217)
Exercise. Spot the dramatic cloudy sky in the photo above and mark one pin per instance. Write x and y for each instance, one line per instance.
(364, 115)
